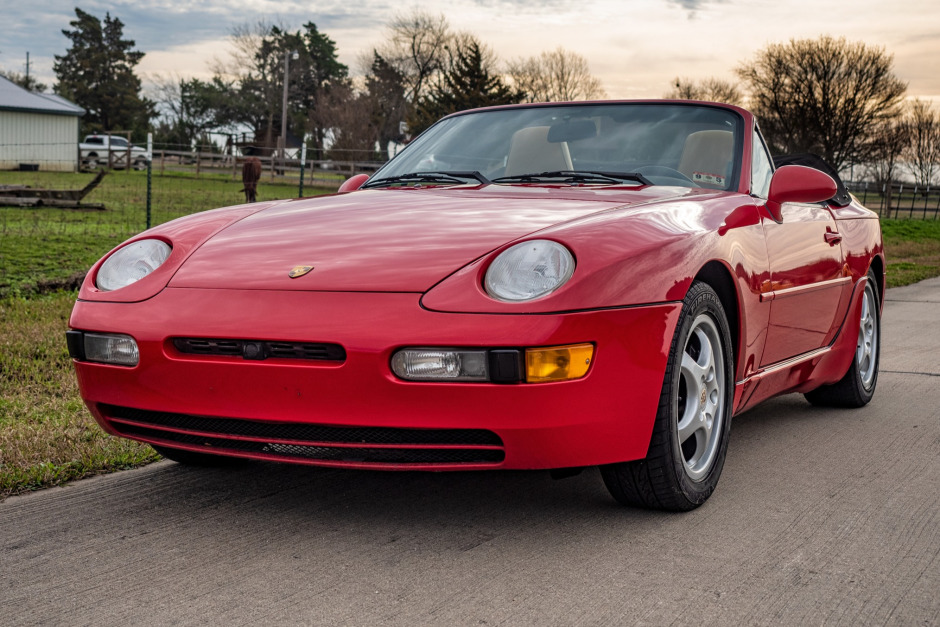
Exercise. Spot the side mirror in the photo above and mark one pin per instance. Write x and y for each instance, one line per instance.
(797, 183)
(353, 183)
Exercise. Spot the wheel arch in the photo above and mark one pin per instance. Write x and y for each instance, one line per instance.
(878, 266)
(717, 276)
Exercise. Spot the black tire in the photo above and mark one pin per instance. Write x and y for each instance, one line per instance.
(680, 472)
(857, 387)
(191, 458)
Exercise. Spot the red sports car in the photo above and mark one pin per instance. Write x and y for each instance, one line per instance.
(538, 286)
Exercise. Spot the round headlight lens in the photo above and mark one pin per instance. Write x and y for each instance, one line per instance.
(529, 270)
(131, 264)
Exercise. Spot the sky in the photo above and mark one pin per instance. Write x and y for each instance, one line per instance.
(635, 47)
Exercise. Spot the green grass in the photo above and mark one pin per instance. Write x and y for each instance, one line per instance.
(47, 436)
(912, 249)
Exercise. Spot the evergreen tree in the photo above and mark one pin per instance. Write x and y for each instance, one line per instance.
(320, 71)
(97, 73)
(26, 82)
(467, 84)
(258, 71)
(385, 89)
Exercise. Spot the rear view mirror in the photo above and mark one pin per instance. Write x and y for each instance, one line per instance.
(571, 130)
(797, 183)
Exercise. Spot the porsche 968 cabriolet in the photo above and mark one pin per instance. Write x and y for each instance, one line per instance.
(547, 286)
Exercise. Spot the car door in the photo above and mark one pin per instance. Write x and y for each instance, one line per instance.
(807, 283)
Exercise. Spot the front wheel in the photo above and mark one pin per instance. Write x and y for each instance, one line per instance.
(857, 387)
(690, 436)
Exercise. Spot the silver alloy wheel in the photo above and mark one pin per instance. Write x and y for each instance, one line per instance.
(866, 351)
(701, 397)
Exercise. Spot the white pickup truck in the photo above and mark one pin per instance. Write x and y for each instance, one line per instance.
(95, 148)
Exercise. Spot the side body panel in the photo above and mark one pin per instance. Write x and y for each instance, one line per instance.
(808, 287)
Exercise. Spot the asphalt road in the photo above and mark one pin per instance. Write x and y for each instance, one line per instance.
(821, 517)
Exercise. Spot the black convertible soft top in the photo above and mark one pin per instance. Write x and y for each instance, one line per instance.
(842, 198)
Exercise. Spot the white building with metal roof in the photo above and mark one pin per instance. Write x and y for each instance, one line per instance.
(37, 131)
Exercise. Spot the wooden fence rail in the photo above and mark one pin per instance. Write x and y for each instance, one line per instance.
(898, 200)
(273, 167)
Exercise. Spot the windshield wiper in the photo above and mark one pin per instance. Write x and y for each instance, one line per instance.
(443, 176)
(576, 176)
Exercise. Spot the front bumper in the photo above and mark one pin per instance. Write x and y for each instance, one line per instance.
(176, 399)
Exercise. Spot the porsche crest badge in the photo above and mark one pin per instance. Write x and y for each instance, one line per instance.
(298, 271)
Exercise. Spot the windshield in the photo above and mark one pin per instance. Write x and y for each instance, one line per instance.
(665, 144)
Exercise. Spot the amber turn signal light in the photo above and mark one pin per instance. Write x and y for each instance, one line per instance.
(558, 363)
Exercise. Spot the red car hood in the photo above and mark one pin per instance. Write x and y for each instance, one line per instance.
(391, 240)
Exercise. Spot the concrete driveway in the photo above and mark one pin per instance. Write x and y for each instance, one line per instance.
(821, 516)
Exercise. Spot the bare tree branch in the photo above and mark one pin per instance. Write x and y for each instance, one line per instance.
(709, 90)
(824, 96)
(923, 149)
(556, 76)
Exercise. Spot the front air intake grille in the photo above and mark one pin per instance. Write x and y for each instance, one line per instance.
(259, 349)
(379, 446)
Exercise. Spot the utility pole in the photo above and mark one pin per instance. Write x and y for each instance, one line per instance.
(27, 69)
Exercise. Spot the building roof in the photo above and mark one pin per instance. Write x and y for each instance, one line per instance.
(15, 98)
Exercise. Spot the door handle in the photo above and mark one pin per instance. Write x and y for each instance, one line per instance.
(833, 238)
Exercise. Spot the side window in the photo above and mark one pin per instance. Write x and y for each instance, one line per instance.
(119, 142)
(761, 168)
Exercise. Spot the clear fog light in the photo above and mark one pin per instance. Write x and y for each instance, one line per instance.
(440, 365)
(120, 350)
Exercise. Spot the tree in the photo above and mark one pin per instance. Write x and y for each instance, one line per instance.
(923, 149)
(417, 47)
(889, 139)
(824, 96)
(709, 90)
(25, 81)
(256, 72)
(556, 76)
(97, 73)
(190, 108)
(352, 135)
(385, 90)
(467, 84)
(319, 71)
(416, 52)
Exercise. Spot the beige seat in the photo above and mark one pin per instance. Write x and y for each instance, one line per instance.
(530, 152)
(707, 157)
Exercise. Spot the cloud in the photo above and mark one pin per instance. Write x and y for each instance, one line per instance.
(693, 6)
(635, 48)
(514, 5)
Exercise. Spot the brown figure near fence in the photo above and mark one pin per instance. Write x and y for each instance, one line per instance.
(251, 172)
